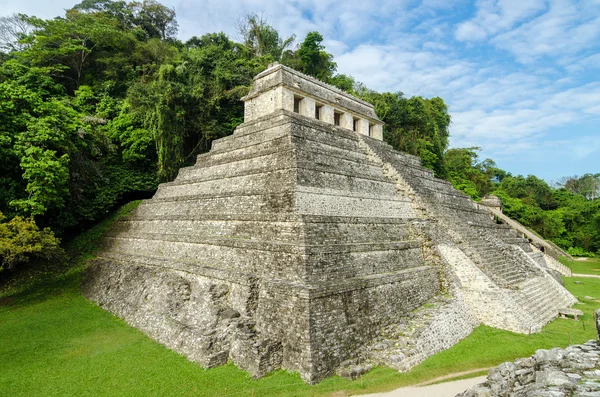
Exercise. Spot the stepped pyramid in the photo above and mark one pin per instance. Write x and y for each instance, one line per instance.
(304, 242)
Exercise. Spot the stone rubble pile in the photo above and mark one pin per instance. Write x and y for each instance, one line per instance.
(574, 371)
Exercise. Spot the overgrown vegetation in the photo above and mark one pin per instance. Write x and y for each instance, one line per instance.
(22, 241)
(55, 342)
(568, 213)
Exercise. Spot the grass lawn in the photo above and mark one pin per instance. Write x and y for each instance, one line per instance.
(53, 342)
(587, 266)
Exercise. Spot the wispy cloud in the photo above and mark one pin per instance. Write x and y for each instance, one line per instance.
(494, 16)
(565, 30)
(519, 76)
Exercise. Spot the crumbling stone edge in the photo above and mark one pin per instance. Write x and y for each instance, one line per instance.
(573, 371)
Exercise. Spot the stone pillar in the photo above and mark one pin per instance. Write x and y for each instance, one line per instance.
(377, 132)
(363, 127)
(307, 107)
(327, 114)
(346, 121)
(286, 98)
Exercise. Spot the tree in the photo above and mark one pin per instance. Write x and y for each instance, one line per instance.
(13, 29)
(75, 48)
(532, 190)
(261, 38)
(163, 105)
(195, 99)
(157, 20)
(343, 82)
(311, 58)
(587, 185)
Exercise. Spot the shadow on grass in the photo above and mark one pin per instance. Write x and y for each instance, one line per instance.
(41, 289)
(38, 282)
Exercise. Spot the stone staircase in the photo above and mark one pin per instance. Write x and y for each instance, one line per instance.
(540, 299)
(496, 250)
(500, 269)
(486, 245)
(498, 260)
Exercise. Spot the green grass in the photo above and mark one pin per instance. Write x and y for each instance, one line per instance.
(53, 342)
(587, 266)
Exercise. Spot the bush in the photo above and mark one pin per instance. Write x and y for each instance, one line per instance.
(578, 251)
(21, 241)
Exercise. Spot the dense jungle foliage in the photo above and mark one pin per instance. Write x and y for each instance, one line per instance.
(106, 102)
(567, 213)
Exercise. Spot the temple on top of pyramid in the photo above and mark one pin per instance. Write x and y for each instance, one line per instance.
(304, 242)
(280, 87)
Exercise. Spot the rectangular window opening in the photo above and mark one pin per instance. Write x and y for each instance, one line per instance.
(337, 117)
(355, 124)
(297, 101)
(318, 109)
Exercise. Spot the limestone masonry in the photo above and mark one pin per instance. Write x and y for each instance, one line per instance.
(305, 242)
(574, 371)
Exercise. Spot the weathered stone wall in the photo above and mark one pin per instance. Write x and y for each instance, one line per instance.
(307, 235)
(574, 371)
(299, 244)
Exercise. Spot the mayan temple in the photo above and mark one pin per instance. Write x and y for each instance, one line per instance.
(305, 242)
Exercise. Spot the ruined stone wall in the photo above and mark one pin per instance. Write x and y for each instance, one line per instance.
(573, 371)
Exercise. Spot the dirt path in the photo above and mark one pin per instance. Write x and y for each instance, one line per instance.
(448, 389)
(451, 376)
(428, 389)
(586, 275)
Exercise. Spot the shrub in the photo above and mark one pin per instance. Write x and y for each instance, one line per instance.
(578, 251)
(22, 241)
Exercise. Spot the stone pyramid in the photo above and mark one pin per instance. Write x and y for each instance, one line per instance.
(304, 242)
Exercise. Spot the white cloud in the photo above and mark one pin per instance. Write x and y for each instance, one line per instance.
(470, 31)
(566, 29)
(495, 16)
(502, 111)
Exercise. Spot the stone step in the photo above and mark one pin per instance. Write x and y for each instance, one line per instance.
(280, 179)
(249, 203)
(280, 260)
(543, 312)
(299, 246)
(540, 299)
(270, 229)
(491, 257)
(286, 141)
(281, 217)
(271, 181)
(275, 158)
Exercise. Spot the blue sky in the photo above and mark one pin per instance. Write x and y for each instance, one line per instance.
(521, 77)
